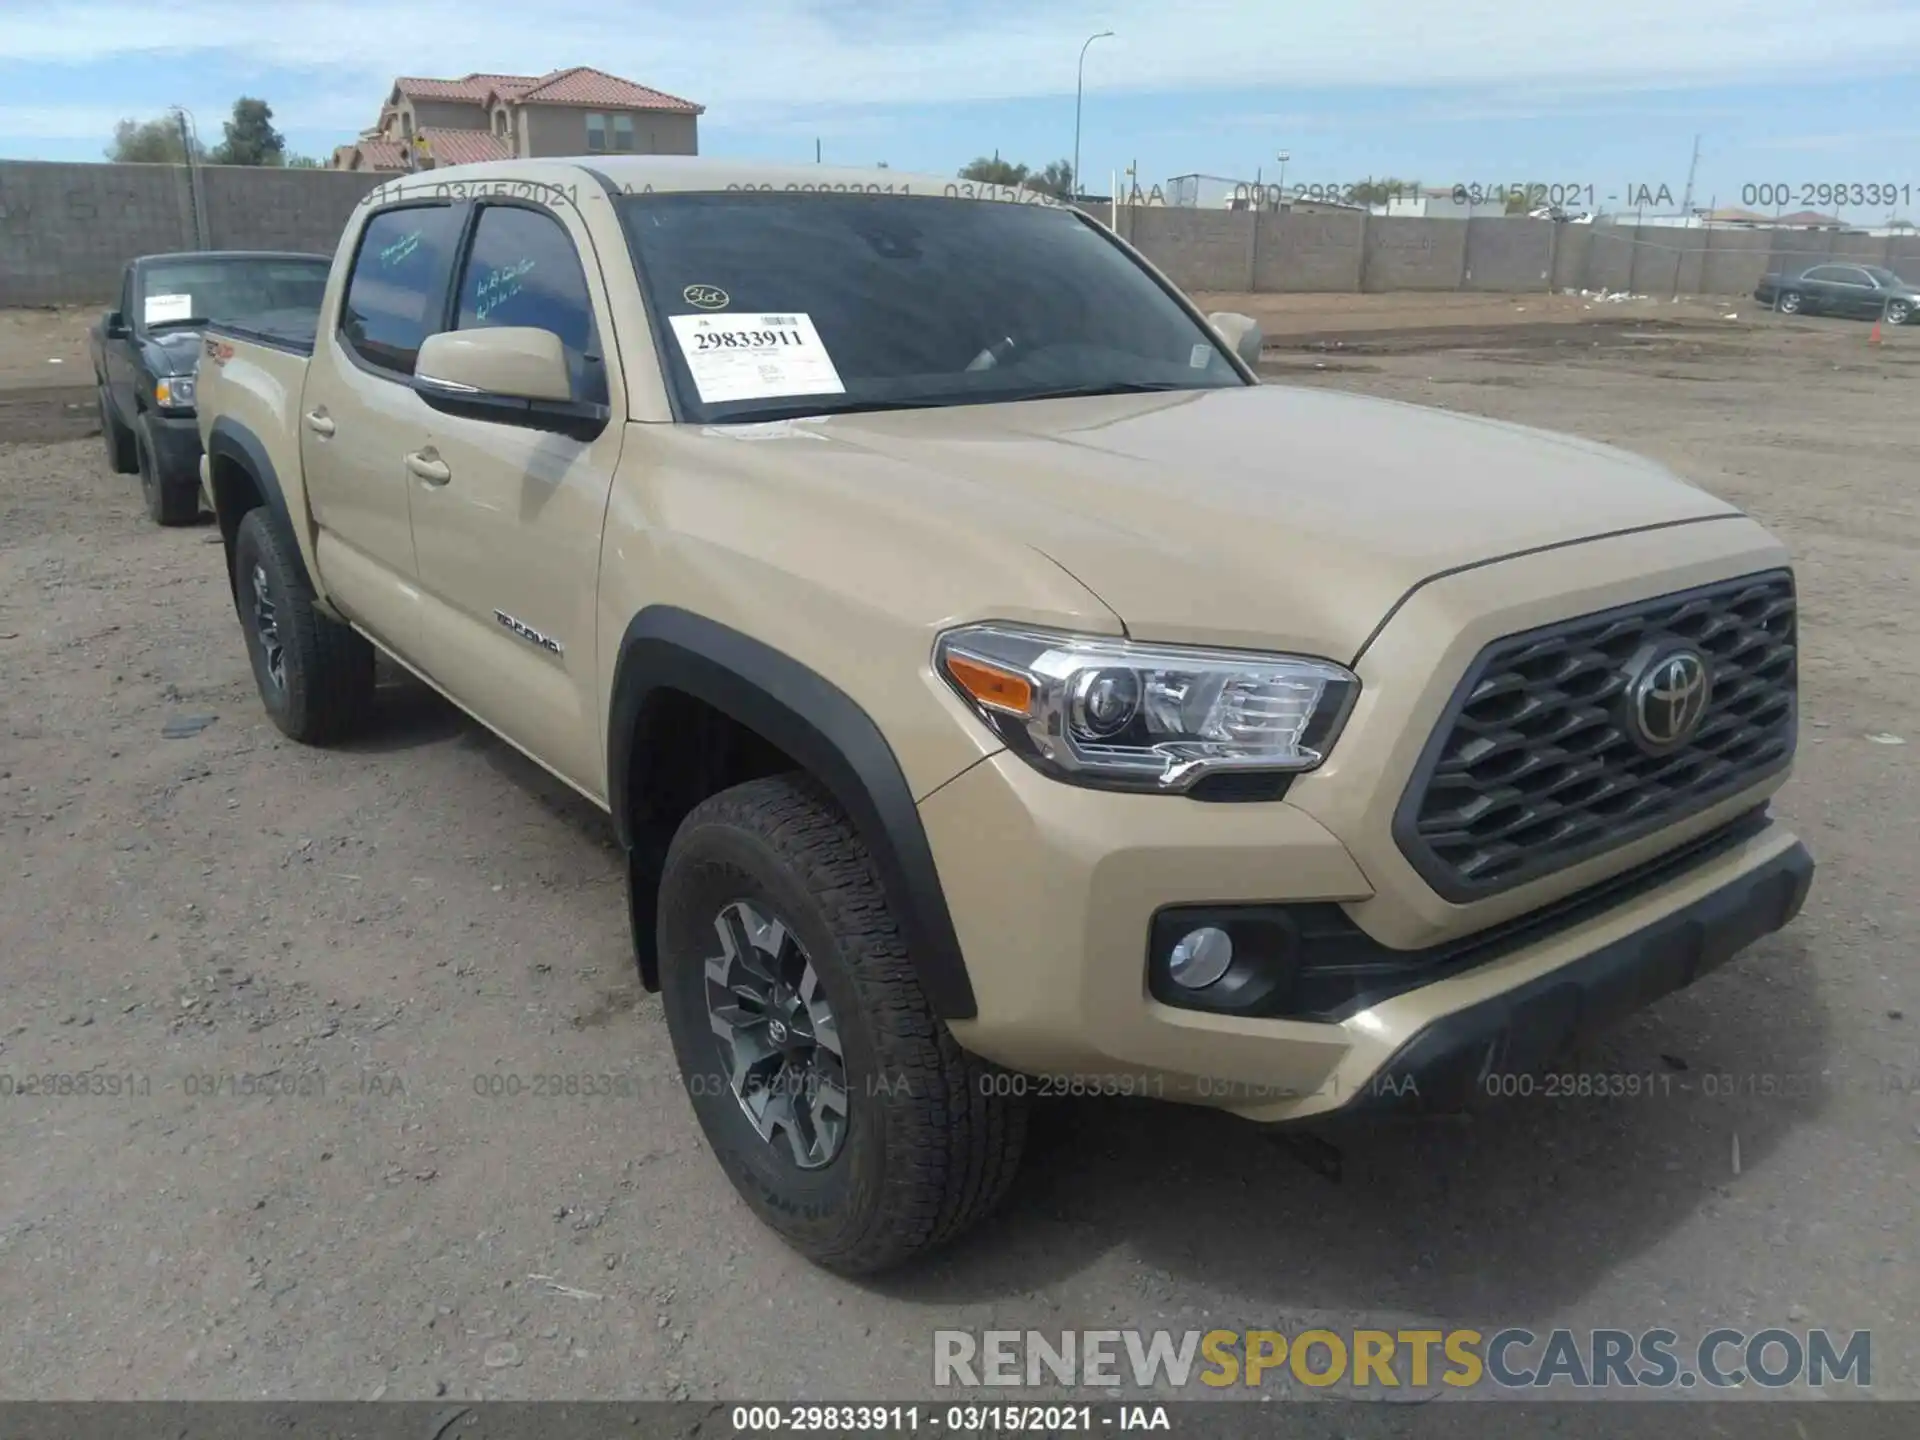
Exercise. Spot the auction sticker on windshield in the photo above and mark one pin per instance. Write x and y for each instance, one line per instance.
(755, 357)
(162, 308)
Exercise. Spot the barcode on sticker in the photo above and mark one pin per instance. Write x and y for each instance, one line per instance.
(778, 320)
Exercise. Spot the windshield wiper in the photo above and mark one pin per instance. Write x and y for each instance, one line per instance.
(1109, 387)
(768, 413)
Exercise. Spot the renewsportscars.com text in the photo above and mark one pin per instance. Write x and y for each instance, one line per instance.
(1513, 1358)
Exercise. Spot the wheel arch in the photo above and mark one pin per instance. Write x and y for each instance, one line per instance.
(667, 652)
(242, 477)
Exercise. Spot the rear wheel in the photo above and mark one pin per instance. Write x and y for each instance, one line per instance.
(170, 500)
(1899, 312)
(118, 439)
(836, 1101)
(315, 675)
(1788, 303)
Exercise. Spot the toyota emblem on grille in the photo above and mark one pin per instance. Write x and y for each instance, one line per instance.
(1668, 698)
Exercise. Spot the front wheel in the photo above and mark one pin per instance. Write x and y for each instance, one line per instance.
(315, 675)
(1788, 303)
(836, 1101)
(170, 499)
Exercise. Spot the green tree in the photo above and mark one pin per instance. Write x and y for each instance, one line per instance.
(995, 172)
(151, 142)
(305, 162)
(1056, 180)
(251, 138)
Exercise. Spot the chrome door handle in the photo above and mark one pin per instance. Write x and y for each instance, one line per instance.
(318, 422)
(428, 465)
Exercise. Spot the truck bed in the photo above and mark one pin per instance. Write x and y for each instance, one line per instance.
(289, 330)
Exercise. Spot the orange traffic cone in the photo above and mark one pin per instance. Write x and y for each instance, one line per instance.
(1873, 337)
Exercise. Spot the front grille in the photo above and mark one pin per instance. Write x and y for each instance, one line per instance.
(1535, 765)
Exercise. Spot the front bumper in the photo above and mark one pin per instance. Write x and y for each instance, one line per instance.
(1053, 890)
(1455, 1060)
(176, 447)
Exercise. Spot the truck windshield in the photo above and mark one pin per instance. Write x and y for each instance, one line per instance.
(774, 305)
(252, 290)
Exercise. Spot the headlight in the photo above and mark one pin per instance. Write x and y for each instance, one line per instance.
(175, 392)
(1121, 715)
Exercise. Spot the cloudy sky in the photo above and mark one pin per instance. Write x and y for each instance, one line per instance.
(1608, 96)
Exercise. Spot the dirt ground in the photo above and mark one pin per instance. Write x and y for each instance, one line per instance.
(307, 971)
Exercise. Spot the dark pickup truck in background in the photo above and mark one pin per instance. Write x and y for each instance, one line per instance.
(145, 351)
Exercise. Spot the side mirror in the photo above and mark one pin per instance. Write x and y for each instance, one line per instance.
(512, 375)
(116, 325)
(511, 363)
(1241, 332)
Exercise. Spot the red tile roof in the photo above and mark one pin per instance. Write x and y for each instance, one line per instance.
(463, 147)
(579, 85)
(382, 155)
(1808, 218)
(583, 85)
(472, 87)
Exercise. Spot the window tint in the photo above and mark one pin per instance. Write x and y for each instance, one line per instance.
(916, 300)
(523, 270)
(399, 281)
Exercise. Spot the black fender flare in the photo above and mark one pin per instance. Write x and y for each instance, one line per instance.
(822, 729)
(230, 440)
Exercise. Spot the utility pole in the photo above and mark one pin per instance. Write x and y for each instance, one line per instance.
(196, 205)
(1686, 202)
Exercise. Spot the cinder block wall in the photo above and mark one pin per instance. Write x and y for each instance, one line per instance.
(67, 230)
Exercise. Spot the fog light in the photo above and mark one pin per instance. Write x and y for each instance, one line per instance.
(1200, 957)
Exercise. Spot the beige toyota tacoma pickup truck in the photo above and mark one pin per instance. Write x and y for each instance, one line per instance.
(996, 690)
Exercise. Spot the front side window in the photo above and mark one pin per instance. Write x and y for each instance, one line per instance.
(776, 304)
(596, 133)
(398, 285)
(523, 270)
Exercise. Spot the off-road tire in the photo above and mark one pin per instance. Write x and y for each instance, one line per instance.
(327, 667)
(931, 1144)
(118, 439)
(169, 501)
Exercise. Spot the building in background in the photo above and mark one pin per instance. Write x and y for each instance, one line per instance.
(578, 111)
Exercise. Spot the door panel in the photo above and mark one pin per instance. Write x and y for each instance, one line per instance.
(359, 415)
(509, 540)
(509, 548)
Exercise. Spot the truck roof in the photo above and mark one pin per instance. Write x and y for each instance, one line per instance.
(635, 173)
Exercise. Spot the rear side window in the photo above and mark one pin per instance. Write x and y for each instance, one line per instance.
(524, 270)
(398, 284)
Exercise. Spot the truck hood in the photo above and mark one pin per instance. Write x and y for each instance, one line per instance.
(172, 352)
(1269, 516)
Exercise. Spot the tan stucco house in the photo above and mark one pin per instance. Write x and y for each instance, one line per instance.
(579, 111)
